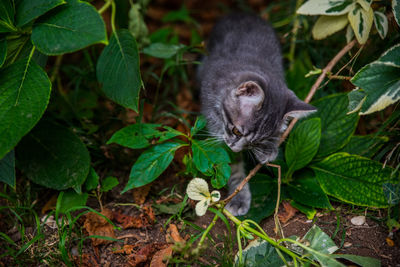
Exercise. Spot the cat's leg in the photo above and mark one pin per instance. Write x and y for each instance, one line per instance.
(240, 204)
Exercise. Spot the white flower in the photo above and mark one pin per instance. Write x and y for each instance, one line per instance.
(197, 189)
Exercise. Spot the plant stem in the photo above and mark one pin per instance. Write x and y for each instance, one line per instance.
(113, 11)
(318, 82)
(105, 7)
(278, 228)
(293, 39)
(208, 229)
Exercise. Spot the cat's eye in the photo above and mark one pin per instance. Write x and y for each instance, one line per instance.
(236, 132)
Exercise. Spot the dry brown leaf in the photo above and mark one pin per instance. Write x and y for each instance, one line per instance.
(126, 249)
(288, 214)
(140, 194)
(96, 225)
(390, 242)
(145, 253)
(160, 256)
(127, 221)
(50, 204)
(149, 213)
(173, 234)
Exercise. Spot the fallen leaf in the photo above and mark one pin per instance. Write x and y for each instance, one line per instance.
(288, 214)
(390, 242)
(50, 204)
(140, 194)
(160, 256)
(145, 253)
(127, 221)
(173, 235)
(149, 212)
(96, 225)
(126, 249)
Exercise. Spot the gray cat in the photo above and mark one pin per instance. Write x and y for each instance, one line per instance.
(244, 95)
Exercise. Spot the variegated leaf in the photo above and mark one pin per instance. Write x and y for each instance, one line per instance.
(396, 10)
(327, 25)
(391, 56)
(349, 34)
(365, 4)
(326, 7)
(356, 99)
(361, 22)
(381, 23)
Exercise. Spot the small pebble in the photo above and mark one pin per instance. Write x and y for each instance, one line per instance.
(358, 220)
(309, 221)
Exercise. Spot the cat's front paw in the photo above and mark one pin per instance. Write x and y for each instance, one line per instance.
(240, 204)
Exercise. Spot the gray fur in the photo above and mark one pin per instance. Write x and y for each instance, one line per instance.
(243, 87)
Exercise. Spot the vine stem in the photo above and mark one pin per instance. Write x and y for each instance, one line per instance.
(208, 229)
(105, 7)
(310, 95)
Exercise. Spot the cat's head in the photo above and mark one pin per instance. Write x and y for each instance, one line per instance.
(255, 117)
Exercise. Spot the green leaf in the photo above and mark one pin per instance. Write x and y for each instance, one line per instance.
(303, 144)
(260, 253)
(199, 125)
(7, 11)
(28, 10)
(222, 175)
(53, 156)
(365, 4)
(320, 241)
(396, 10)
(170, 208)
(356, 100)
(179, 15)
(3, 51)
(108, 183)
(263, 198)
(118, 70)
(151, 164)
(366, 145)
(336, 126)
(380, 81)
(142, 135)
(162, 50)
(307, 191)
(24, 94)
(328, 25)
(71, 199)
(360, 260)
(361, 22)
(92, 180)
(353, 179)
(326, 7)
(308, 211)
(7, 169)
(392, 193)
(381, 24)
(69, 28)
(206, 153)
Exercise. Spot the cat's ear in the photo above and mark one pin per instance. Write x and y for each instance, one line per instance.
(296, 108)
(250, 95)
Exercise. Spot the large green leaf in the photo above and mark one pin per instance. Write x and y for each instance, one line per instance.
(260, 253)
(28, 10)
(206, 153)
(151, 164)
(118, 70)
(7, 169)
(53, 156)
(69, 28)
(336, 126)
(199, 125)
(354, 179)
(307, 191)
(320, 241)
(326, 7)
(396, 10)
(7, 11)
(24, 95)
(3, 51)
(221, 176)
(263, 198)
(366, 145)
(360, 260)
(303, 144)
(142, 135)
(70, 199)
(380, 81)
(361, 21)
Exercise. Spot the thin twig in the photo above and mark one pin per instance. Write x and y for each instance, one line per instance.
(311, 93)
(278, 226)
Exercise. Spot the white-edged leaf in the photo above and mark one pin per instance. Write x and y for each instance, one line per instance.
(365, 4)
(381, 24)
(326, 7)
(356, 99)
(396, 10)
(349, 33)
(361, 22)
(327, 25)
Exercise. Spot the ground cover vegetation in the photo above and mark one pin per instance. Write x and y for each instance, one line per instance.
(100, 133)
